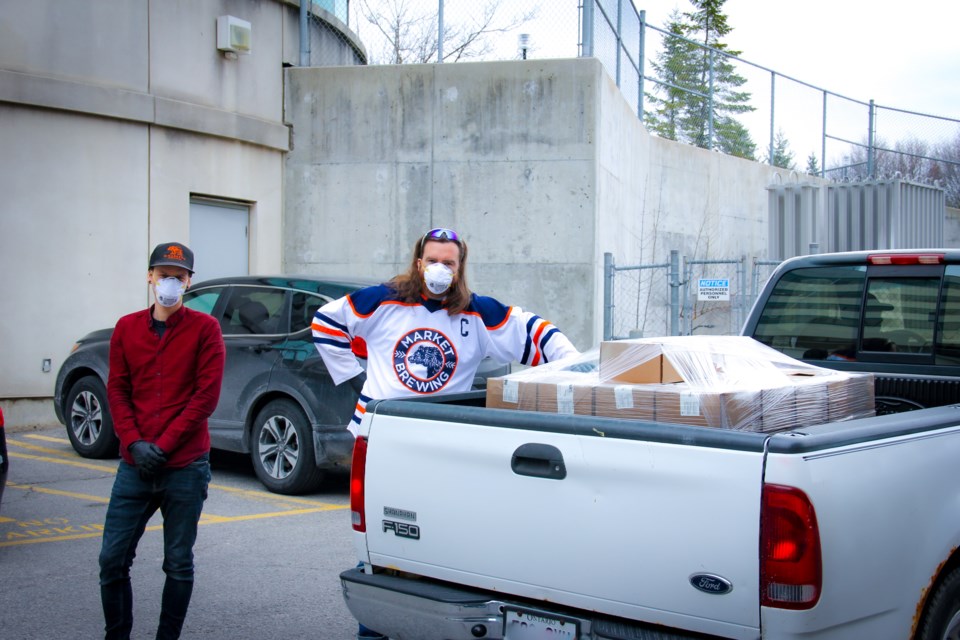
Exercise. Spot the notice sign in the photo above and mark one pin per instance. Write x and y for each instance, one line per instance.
(713, 289)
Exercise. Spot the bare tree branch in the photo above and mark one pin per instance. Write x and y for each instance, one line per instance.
(407, 30)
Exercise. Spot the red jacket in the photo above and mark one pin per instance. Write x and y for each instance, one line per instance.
(163, 389)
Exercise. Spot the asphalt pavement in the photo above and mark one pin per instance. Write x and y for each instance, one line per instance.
(267, 565)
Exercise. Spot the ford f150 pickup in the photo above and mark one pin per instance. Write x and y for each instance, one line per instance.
(478, 522)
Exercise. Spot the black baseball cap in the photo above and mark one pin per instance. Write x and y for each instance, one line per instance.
(172, 254)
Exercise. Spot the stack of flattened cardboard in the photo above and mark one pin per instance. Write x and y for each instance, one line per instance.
(726, 382)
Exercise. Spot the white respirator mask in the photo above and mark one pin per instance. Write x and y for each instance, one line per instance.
(169, 291)
(437, 278)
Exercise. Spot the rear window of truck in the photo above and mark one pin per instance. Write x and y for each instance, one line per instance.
(855, 313)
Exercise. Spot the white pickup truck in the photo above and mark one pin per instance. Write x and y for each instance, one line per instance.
(473, 522)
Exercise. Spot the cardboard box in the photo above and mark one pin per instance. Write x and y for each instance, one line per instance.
(636, 362)
(630, 401)
(850, 396)
(734, 409)
(510, 393)
(730, 383)
(565, 397)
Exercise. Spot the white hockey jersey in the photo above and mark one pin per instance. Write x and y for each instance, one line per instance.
(419, 348)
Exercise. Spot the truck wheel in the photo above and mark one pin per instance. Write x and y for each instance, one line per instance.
(89, 425)
(282, 449)
(941, 621)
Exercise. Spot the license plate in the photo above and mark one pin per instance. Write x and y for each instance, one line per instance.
(525, 624)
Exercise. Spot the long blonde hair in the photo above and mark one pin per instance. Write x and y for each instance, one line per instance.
(409, 285)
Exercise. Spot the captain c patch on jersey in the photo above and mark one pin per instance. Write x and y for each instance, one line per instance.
(424, 360)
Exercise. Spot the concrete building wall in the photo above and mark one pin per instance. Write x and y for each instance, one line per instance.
(113, 114)
(540, 164)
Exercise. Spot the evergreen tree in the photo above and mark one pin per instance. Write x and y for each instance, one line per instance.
(733, 139)
(698, 86)
(813, 165)
(782, 156)
(672, 68)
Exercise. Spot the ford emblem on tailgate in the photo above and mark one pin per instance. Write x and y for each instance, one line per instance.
(709, 583)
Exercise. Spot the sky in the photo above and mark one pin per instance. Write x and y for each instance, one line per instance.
(904, 55)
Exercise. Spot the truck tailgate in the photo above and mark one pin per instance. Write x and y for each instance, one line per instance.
(631, 519)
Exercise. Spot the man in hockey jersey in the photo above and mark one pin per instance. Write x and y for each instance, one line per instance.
(425, 331)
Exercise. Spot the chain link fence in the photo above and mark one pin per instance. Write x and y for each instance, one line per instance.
(682, 89)
(681, 296)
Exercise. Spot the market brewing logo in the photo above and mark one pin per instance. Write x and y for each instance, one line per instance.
(424, 360)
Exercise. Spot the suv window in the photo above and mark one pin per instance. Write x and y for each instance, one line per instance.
(203, 301)
(303, 307)
(254, 311)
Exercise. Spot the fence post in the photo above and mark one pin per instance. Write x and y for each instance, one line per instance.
(773, 93)
(641, 59)
(741, 281)
(674, 285)
(871, 149)
(608, 272)
(440, 33)
(586, 38)
(710, 105)
(305, 33)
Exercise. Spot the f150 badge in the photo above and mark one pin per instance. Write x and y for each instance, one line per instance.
(709, 583)
(402, 529)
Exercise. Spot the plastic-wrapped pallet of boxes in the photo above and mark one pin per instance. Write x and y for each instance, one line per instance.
(729, 382)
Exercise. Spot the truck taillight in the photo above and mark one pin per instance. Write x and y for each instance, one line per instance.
(357, 469)
(790, 569)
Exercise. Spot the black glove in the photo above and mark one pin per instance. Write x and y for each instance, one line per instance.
(358, 381)
(147, 456)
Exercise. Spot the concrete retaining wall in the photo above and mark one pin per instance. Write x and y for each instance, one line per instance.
(540, 164)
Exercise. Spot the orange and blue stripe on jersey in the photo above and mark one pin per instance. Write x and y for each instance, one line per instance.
(494, 315)
(539, 332)
(333, 333)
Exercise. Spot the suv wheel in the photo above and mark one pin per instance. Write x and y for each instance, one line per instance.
(89, 425)
(282, 449)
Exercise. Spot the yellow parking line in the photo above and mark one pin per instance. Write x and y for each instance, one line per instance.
(204, 520)
(66, 461)
(58, 492)
(272, 497)
(38, 448)
(37, 436)
(68, 458)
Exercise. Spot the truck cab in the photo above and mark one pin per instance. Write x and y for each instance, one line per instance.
(870, 311)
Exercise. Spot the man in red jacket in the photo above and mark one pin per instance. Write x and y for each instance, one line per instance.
(166, 366)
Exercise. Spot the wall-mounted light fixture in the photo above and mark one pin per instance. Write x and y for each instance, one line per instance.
(233, 36)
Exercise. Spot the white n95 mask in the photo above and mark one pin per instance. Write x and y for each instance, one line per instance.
(437, 278)
(168, 291)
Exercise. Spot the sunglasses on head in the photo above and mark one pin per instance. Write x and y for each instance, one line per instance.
(439, 234)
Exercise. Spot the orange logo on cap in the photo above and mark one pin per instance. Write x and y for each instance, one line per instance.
(174, 253)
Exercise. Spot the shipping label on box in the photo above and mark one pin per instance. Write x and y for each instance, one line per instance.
(566, 398)
(629, 401)
(510, 393)
(680, 403)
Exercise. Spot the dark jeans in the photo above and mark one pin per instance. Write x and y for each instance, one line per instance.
(179, 494)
